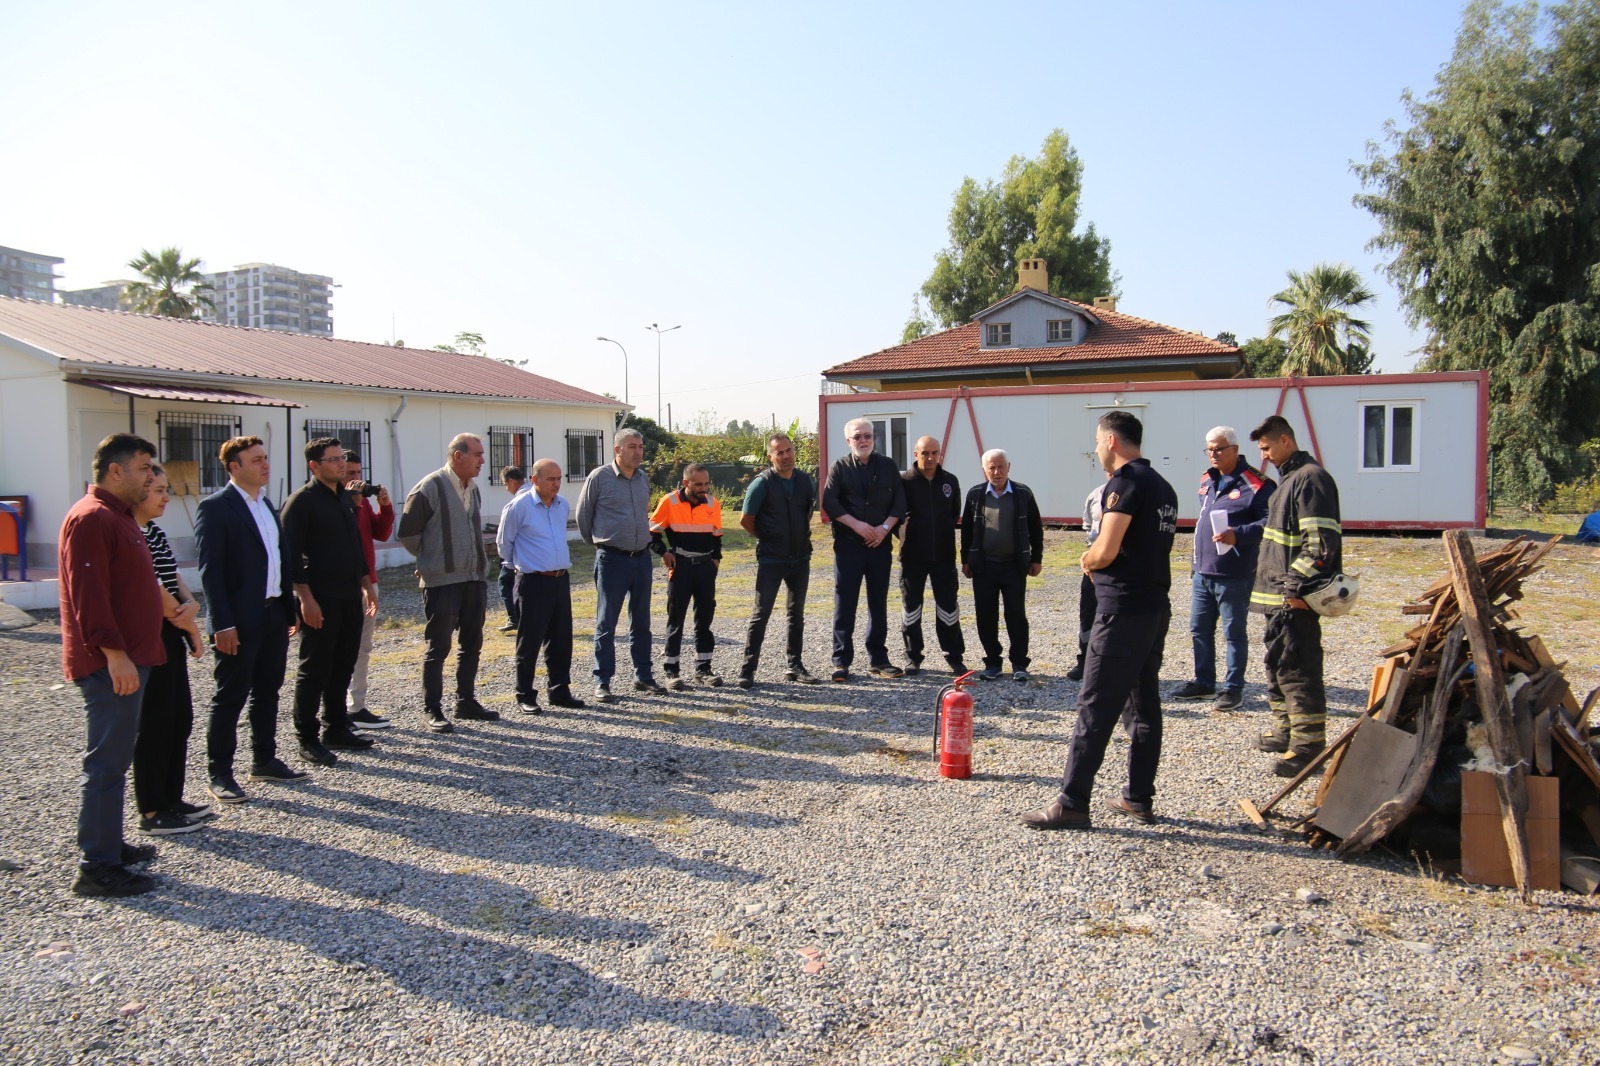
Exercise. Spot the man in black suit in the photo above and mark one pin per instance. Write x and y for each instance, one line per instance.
(244, 570)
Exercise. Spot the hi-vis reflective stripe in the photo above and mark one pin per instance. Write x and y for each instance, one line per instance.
(1266, 599)
(1329, 524)
(1278, 536)
(1303, 567)
(949, 618)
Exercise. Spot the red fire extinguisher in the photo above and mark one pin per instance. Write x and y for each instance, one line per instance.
(952, 725)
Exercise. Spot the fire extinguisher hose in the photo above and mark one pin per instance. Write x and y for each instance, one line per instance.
(938, 714)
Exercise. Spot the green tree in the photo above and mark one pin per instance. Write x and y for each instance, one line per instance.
(656, 436)
(169, 285)
(1264, 356)
(1321, 335)
(1030, 212)
(919, 324)
(1489, 205)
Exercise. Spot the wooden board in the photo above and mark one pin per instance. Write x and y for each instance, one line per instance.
(1543, 657)
(1368, 778)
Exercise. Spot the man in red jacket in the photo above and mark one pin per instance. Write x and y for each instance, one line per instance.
(374, 527)
(110, 638)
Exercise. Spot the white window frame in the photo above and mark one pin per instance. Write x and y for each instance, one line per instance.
(1065, 325)
(883, 427)
(1389, 406)
(991, 333)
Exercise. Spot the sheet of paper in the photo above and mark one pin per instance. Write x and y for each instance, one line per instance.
(1219, 522)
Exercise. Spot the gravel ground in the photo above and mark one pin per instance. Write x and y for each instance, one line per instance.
(777, 876)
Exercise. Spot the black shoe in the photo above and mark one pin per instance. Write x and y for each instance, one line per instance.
(799, 674)
(913, 669)
(1056, 816)
(345, 739)
(745, 681)
(648, 684)
(509, 627)
(1076, 673)
(468, 709)
(708, 677)
(280, 771)
(437, 722)
(105, 879)
(530, 705)
(602, 693)
(134, 854)
(1228, 701)
(365, 719)
(1194, 690)
(1272, 742)
(675, 683)
(958, 668)
(166, 824)
(840, 675)
(1293, 762)
(1020, 676)
(889, 670)
(1137, 812)
(314, 752)
(224, 789)
(193, 811)
(561, 696)
(991, 673)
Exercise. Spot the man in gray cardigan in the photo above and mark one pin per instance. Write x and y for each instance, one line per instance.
(442, 526)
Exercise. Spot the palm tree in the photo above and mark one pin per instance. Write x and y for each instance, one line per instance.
(169, 285)
(1321, 335)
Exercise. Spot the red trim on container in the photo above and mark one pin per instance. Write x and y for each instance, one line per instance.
(1483, 450)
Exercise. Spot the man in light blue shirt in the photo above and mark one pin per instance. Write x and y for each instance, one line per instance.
(533, 538)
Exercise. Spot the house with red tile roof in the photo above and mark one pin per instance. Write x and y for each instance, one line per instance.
(1033, 338)
(71, 376)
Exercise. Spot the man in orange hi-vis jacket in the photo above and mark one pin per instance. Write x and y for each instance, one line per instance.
(687, 529)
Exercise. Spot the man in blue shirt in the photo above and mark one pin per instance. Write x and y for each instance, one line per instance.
(533, 529)
(1224, 568)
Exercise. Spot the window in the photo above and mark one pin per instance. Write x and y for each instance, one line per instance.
(1060, 330)
(509, 446)
(583, 452)
(355, 436)
(190, 450)
(889, 438)
(997, 334)
(1389, 436)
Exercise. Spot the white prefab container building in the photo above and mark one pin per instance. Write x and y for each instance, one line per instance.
(1409, 451)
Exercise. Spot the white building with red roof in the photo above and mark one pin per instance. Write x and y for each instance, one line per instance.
(71, 376)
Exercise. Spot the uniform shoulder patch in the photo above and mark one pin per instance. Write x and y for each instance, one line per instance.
(1112, 499)
(1253, 480)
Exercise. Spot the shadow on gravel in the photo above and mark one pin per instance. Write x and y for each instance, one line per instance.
(462, 969)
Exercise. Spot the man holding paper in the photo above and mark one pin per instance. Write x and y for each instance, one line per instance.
(1233, 509)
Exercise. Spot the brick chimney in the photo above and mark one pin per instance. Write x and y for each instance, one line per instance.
(1105, 303)
(1032, 274)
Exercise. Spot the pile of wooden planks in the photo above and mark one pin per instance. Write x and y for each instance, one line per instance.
(1468, 682)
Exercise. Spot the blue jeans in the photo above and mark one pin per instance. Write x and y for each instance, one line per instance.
(1229, 598)
(617, 576)
(112, 730)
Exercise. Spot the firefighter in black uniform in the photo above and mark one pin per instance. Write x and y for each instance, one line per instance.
(1131, 566)
(928, 554)
(1301, 550)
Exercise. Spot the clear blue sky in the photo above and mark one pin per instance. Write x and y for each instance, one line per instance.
(775, 179)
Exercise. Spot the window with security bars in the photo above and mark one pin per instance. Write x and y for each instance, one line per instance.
(191, 446)
(355, 436)
(509, 446)
(583, 452)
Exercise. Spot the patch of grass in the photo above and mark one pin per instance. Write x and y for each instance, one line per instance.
(468, 868)
(899, 755)
(1105, 927)
(958, 1055)
(671, 819)
(488, 916)
(1374, 923)
(724, 942)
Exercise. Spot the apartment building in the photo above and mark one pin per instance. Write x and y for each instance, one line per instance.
(107, 297)
(266, 296)
(28, 275)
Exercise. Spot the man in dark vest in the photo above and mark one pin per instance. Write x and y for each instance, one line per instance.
(777, 512)
(928, 554)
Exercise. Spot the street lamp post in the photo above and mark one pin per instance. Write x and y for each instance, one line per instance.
(658, 331)
(608, 340)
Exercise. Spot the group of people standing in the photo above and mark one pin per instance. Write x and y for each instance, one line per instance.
(129, 619)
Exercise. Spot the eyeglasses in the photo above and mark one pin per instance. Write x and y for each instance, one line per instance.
(1218, 449)
(332, 459)
(861, 436)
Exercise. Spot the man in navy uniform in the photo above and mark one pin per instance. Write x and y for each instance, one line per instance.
(928, 555)
(1131, 566)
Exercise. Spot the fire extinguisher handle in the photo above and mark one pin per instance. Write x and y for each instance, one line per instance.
(938, 713)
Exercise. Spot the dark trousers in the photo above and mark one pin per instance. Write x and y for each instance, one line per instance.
(1088, 601)
(915, 576)
(619, 577)
(544, 605)
(1121, 680)
(166, 718)
(693, 580)
(1227, 598)
(793, 575)
(112, 724)
(1295, 692)
(452, 611)
(252, 675)
(989, 585)
(853, 563)
(327, 659)
(508, 592)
